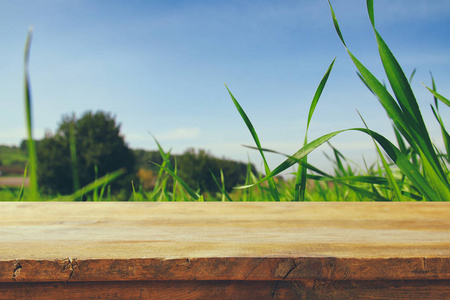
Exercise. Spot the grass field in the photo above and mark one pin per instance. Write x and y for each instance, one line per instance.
(12, 156)
(411, 168)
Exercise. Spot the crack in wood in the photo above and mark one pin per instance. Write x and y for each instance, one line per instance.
(71, 265)
(253, 269)
(424, 264)
(17, 269)
(284, 278)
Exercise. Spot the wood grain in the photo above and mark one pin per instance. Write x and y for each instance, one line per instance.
(340, 249)
(302, 289)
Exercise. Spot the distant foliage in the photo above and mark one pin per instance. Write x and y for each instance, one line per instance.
(144, 159)
(100, 149)
(195, 168)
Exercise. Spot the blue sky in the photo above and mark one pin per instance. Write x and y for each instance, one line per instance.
(160, 67)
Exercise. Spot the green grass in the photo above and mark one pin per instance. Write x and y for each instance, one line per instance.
(411, 168)
(422, 173)
(428, 174)
(9, 193)
(12, 156)
(32, 156)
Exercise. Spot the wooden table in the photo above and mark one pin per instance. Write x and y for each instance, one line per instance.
(224, 250)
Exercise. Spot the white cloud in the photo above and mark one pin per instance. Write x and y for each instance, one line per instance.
(145, 140)
(180, 134)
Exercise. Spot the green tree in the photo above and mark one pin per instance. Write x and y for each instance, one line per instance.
(100, 150)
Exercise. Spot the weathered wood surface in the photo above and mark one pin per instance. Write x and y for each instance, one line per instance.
(275, 249)
(229, 289)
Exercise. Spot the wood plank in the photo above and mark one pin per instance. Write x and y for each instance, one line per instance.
(79, 242)
(302, 289)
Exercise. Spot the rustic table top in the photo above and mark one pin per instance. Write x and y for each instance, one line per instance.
(54, 241)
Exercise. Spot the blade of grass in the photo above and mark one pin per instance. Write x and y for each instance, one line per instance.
(396, 77)
(338, 157)
(160, 181)
(445, 135)
(300, 182)
(439, 96)
(248, 176)
(394, 153)
(135, 195)
(194, 195)
(433, 85)
(400, 141)
(248, 123)
(164, 155)
(95, 191)
(34, 190)
(175, 183)
(379, 90)
(387, 169)
(341, 180)
(408, 102)
(405, 114)
(363, 192)
(22, 187)
(225, 195)
(93, 185)
(102, 191)
(73, 155)
(170, 169)
(412, 76)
